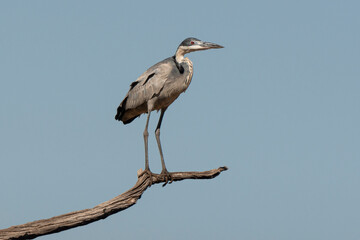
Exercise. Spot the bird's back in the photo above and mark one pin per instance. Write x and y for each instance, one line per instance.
(160, 85)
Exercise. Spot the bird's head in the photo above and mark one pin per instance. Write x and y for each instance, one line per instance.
(193, 44)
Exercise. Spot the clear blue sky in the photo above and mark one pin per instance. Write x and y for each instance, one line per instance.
(279, 105)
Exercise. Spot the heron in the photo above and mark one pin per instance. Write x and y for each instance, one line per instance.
(157, 88)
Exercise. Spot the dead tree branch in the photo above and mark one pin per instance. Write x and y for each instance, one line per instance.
(79, 218)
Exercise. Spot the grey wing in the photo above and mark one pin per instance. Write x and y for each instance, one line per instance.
(149, 84)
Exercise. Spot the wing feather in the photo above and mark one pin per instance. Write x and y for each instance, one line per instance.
(149, 84)
(163, 75)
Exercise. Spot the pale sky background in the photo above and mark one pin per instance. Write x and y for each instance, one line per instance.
(279, 105)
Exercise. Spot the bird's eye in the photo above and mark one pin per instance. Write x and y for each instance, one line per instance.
(192, 42)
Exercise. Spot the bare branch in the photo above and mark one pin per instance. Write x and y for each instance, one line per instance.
(79, 218)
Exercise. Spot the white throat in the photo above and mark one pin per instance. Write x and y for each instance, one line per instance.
(179, 55)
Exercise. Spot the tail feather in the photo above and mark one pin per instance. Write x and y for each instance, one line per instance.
(120, 113)
(121, 110)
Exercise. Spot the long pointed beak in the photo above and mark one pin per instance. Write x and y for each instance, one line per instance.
(209, 45)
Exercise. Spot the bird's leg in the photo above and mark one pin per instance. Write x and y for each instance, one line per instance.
(164, 171)
(146, 135)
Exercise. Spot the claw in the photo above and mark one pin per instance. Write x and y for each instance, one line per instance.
(167, 176)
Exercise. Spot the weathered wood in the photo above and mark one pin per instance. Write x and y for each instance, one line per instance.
(79, 218)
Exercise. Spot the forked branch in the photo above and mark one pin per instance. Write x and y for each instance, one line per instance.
(79, 218)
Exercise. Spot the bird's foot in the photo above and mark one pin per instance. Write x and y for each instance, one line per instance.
(149, 173)
(167, 176)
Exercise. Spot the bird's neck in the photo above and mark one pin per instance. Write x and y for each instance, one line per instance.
(179, 55)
